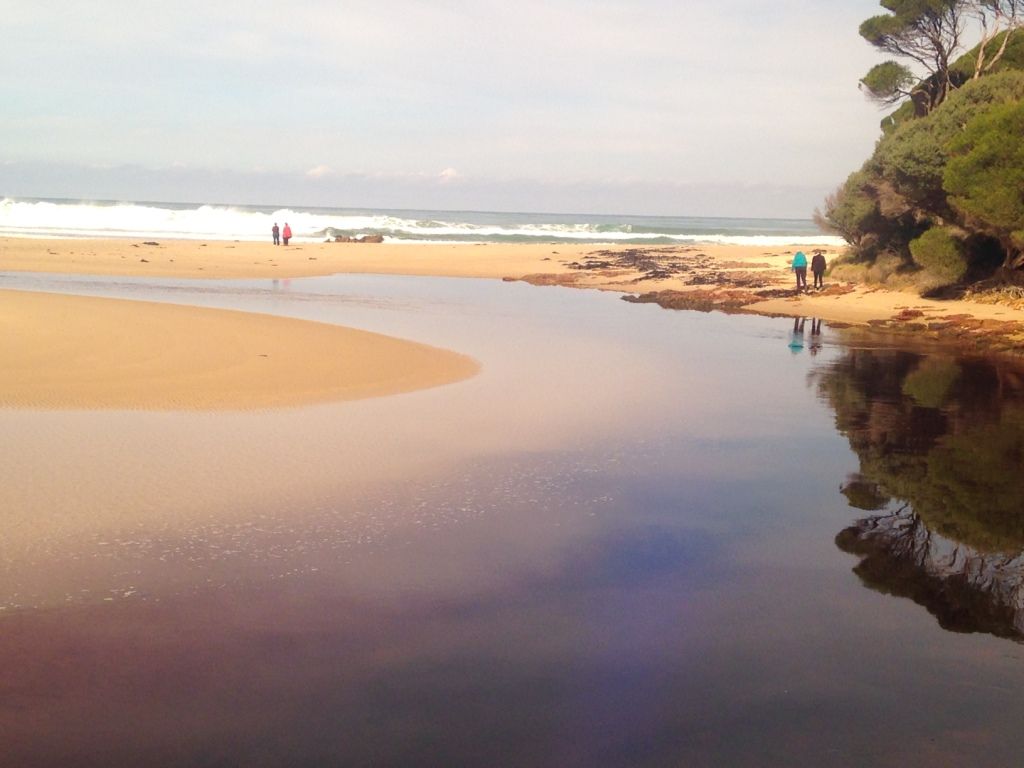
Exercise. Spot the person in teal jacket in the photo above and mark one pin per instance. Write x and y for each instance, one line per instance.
(800, 267)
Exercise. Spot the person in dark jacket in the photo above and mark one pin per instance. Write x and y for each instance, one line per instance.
(818, 268)
(276, 232)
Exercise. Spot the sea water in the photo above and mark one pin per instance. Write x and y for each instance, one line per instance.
(71, 218)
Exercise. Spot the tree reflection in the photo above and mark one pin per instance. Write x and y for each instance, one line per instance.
(967, 590)
(944, 439)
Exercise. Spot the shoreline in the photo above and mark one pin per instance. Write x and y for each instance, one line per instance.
(730, 278)
(753, 278)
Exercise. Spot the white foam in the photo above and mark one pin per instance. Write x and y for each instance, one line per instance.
(30, 218)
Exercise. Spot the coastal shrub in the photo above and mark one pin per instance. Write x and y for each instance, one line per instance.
(886, 269)
(860, 212)
(850, 271)
(901, 191)
(851, 211)
(941, 255)
(913, 158)
(985, 177)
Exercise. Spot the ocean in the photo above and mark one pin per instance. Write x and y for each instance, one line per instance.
(34, 217)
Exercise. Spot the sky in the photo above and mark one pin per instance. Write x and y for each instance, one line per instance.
(688, 107)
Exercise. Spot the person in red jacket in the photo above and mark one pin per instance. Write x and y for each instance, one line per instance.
(286, 233)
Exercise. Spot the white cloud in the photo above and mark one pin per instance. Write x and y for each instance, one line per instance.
(563, 91)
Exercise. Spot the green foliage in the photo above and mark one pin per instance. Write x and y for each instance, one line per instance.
(888, 82)
(925, 31)
(913, 157)
(962, 71)
(851, 210)
(941, 255)
(985, 175)
(901, 191)
(901, 115)
(907, 22)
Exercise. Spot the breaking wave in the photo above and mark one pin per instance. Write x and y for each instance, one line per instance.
(66, 218)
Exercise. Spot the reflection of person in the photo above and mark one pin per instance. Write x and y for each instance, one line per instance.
(796, 340)
(286, 233)
(800, 268)
(276, 232)
(815, 336)
(818, 268)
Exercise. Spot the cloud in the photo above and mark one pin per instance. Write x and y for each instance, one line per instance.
(554, 90)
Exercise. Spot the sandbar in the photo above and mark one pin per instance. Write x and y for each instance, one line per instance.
(71, 352)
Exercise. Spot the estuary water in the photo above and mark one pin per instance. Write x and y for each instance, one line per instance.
(638, 537)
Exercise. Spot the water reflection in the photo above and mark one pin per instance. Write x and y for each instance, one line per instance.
(941, 448)
(797, 337)
(594, 553)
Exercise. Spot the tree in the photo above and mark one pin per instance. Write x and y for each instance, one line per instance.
(998, 19)
(985, 177)
(889, 82)
(927, 32)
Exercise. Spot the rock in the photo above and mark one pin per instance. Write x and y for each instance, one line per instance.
(363, 239)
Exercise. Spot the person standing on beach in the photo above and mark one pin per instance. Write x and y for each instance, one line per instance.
(818, 269)
(799, 266)
(276, 232)
(286, 233)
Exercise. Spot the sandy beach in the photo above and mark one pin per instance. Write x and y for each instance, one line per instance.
(68, 352)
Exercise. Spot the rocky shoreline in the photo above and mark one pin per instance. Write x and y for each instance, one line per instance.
(704, 283)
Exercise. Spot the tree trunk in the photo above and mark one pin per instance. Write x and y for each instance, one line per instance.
(1013, 260)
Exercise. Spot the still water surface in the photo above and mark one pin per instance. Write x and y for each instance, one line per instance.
(639, 537)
